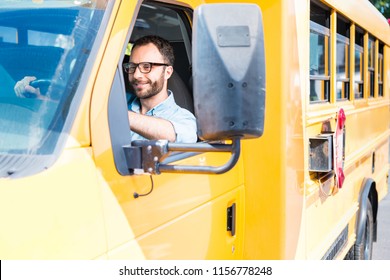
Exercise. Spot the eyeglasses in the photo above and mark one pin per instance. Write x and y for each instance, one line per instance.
(144, 67)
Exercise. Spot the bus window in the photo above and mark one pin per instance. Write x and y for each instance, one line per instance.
(52, 43)
(359, 64)
(319, 54)
(371, 65)
(380, 70)
(342, 59)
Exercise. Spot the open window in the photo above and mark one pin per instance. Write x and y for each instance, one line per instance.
(173, 24)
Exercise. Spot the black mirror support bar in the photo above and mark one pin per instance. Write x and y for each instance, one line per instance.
(233, 148)
(150, 155)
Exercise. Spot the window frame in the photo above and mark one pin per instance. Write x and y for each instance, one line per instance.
(325, 31)
(359, 47)
(371, 68)
(343, 35)
(119, 126)
(381, 67)
(345, 93)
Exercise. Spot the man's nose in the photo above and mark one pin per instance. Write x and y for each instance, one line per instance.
(137, 73)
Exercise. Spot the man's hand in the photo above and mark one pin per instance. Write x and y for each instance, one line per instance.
(23, 86)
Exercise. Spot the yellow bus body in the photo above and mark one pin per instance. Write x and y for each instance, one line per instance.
(82, 208)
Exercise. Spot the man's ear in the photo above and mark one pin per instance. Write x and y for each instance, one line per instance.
(168, 72)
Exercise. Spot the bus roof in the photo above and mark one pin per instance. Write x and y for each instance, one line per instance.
(364, 14)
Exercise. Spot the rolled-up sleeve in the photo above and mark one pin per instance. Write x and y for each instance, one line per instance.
(184, 124)
(183, 121)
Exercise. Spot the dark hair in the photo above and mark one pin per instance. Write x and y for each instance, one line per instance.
(162, 45)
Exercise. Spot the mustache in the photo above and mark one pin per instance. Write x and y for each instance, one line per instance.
(137, 81)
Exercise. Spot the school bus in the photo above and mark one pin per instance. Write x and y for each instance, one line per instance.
(292, 100)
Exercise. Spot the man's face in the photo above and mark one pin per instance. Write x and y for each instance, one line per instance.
(149, 84)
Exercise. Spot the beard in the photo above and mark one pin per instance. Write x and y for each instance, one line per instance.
(153, 87)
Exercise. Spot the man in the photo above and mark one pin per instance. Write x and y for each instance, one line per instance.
(153, 114)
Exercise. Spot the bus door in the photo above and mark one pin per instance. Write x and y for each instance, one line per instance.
(169, 215)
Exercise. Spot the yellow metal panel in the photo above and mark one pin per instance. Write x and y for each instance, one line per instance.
(273, 164)
(56, 214)
(199, 234)
(333, 45)
(352, 62)
(386, 82)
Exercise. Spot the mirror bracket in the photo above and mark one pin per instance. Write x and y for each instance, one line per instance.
(150, 155)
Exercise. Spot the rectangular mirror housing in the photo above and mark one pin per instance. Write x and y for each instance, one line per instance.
(229, 71)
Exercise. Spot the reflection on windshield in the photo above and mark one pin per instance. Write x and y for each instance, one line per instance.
(52, 42)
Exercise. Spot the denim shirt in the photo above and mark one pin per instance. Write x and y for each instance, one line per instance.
(183, 121)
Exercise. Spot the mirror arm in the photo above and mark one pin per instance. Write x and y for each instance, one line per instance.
(150, 156)
(234, 148)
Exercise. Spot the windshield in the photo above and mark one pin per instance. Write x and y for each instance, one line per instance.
(50, 41)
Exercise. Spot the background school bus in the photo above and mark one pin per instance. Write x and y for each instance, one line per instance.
(68, 192)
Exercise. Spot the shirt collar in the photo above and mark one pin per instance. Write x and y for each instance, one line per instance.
(158, 110)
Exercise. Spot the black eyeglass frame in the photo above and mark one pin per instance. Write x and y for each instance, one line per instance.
(126, 66)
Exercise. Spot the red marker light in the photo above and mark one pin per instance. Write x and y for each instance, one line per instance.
(341, 118)
(340, 178)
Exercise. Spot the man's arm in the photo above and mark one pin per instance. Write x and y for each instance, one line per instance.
(151, 127)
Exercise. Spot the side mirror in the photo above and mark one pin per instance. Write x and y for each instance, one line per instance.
(229, 90)
(229, 71)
